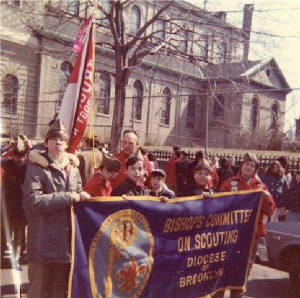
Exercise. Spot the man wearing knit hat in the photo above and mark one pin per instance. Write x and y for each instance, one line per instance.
(247, 179)
(52, 183)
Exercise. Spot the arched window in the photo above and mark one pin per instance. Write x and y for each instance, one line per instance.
(274, 121)
(191, 112)
(137, 100)
(103, 94)
(183, 43)
(10, 86)
(165, 109)
(219, 106)
(135, 19)
(254, 113)
(159, 28)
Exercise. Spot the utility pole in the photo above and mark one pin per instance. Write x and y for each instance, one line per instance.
(11, 111)
(206, 124)
(204, 4)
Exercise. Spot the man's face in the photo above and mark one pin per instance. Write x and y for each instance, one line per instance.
(248, 169)
(129, 143)
(56, 146)
(202, 177)
(136, 171)
(157, 182)
(108, 175)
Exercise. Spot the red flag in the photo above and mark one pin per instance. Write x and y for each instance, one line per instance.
(81, 36)
(74, 111)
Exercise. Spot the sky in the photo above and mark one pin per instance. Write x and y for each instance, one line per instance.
(275, 33)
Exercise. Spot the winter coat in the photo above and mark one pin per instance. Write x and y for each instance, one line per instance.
(193, 189)
(128, 187)
(278, 188)
(13, 177)
(47, 201)
(164, 192)
(171, 178)
(89, 160)
(293, 196)
(237, 183)
(97, 186)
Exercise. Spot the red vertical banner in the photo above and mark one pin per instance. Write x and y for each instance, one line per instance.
(85, 95)
(75, 106)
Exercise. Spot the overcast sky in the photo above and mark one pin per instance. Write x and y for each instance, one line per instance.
(276, 17)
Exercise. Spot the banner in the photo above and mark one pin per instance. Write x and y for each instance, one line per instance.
(81, 35)
(74, 111)
(186, 248)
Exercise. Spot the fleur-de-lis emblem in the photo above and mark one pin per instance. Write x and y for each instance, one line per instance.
(129, 277)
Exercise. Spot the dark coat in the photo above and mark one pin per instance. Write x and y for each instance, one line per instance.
(193, 189)
(165, 192)
(86, 163)
(14, 175)
(47, 201)
(293, 196)
(128, 187)
(277, 186)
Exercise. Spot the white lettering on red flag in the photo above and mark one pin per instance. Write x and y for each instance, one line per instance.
(75, 106)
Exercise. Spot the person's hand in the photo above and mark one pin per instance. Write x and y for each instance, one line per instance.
(207, 194)
(84, 196)
(75, 196)
(124, 197)
(163, 199)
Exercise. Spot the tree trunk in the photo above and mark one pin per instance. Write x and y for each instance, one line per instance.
(118, 114)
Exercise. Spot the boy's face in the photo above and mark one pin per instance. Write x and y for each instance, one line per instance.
(108, 175)
(202, 177)
(136, 171)
(157, 182)
(248, 169)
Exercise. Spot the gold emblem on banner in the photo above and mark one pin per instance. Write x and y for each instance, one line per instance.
(118, 264)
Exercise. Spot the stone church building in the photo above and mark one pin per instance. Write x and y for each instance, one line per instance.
(211, 92)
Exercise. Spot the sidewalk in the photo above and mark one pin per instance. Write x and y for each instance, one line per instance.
(14, 282)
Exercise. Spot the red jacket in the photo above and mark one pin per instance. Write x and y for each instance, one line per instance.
(122, 173)
(237, 183)
(215, 176)
(171, 178)
(98, 187)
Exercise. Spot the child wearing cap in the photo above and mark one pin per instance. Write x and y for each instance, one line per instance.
(157, 185)
(202, 181)
(99, 185)
(247, 179)
(133, 185)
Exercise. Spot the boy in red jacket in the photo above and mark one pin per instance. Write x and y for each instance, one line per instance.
(99, 185)
(247, 179)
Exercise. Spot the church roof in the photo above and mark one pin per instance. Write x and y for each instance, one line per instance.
(245, 70)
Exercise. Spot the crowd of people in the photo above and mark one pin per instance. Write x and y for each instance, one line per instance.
(40, 183)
